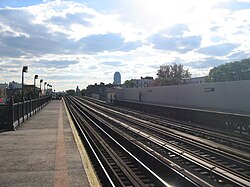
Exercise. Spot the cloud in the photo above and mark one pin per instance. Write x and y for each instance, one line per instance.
(239, 55)
(218, 50)
(27, 37)
(9, 52)
(175, 38)
(58, 64)
(115, 64)
(72, 18)
(70, 42)
(233, 5)
(179, 44)
(175, 30)
(20, 20)
(154, 66)
(92, 67)
(107, 42)
(24, 32)
(206, 63)
(63, 77)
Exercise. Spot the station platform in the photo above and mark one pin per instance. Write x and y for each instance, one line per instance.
(42, 152)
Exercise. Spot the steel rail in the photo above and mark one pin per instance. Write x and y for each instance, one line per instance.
(212, 166)
(85, 139)
(239, 154)
(197, 130)
(141, 163)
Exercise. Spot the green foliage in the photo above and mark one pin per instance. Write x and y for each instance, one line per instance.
(233, 71)
(70, 92)
(171, 74)
(129, 84)
(29, 93)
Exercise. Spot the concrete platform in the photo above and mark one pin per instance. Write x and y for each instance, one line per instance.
(42, 152)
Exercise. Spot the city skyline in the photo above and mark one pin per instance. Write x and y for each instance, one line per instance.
(70, 43)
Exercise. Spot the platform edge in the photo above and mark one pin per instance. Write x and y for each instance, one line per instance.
(90, 172)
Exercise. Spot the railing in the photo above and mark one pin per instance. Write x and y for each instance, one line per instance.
(231, 123)
(13, 114)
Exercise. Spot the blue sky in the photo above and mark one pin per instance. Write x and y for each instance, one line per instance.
(70, 43)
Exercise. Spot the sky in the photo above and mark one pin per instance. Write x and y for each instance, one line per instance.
(77, 43)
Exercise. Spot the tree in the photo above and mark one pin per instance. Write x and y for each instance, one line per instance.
(233, 71)
(129, 83)
(70, 92)
(171, 74)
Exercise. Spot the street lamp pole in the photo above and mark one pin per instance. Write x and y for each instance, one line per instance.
(41, 80)
(44, 86)
(51, 89)
(24, 70)
(35, 77)
(50, 86)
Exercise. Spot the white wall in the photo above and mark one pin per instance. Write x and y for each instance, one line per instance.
(227, 96)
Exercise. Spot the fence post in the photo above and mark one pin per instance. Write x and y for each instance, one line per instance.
(23, 106)
(12, 127)
(36, 105)
(27, 109)
(30, 106)
(18, 113)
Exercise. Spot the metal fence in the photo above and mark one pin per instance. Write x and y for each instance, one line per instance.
(13, 114)
(238, 124)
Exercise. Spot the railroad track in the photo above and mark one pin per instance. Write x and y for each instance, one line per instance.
(190, 158)
(119, 165)
(231, 140)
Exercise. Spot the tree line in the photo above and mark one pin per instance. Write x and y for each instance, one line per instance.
(171, 74)
(233, 71)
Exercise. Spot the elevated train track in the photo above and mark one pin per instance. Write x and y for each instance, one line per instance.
(236, 124)
(115, 164)
(225, 138)
(172, 153)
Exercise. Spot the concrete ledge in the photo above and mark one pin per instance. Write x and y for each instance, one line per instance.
(90, 171)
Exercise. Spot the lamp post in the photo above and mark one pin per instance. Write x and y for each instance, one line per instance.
(24, 70)
(51, 89)
(41, 80)
(47, 88)
(44, 86)
(35, 77)
(50, 86)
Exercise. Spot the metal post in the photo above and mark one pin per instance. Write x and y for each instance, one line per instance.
(45, 83)
(35, 103)
(27, 101)
(41, 80)
(24, 70)
(23, 99)
(23, 103)
(18, 113)
(30, 106)
(35, 85)
(22, 83)
(12, 127)
(35, 77)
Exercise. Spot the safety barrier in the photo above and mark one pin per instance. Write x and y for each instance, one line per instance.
(232, 123)
(13, 114)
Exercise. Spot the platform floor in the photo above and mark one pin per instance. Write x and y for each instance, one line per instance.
(42, 152)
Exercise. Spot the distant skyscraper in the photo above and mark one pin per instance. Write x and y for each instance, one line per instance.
(77, 89)
(117, 78)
